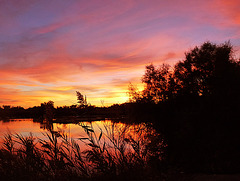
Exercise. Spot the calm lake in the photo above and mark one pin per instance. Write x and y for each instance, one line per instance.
(27, 126)
(83, 149)
(140, 133)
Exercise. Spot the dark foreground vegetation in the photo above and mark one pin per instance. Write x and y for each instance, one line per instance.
(113, 154)
(194, 105)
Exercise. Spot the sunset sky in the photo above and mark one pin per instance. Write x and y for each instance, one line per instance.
(49, 49)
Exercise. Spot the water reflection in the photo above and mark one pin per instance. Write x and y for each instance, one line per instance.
(98, 133)
(46, 125)
(86, 148)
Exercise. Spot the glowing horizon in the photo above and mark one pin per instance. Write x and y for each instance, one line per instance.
(50, 50)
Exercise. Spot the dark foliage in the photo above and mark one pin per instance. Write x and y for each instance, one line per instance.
(196, 106)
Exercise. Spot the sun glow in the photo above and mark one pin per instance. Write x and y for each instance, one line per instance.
(50, 53)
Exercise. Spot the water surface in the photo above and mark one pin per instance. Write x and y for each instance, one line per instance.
(138, 132)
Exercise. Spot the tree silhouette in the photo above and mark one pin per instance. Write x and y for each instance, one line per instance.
(49, 110)
(198, 107)
(159, 83)
(134, 94)
(82, 100)
(207, 70)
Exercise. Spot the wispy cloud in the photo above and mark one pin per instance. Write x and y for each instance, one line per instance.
(50, 49)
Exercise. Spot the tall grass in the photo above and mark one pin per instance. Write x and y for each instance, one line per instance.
(113, 152)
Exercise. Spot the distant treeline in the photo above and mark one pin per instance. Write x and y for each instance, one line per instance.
(45, 111)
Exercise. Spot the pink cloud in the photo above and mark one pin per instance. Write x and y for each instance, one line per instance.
(99, 47)
(50, 70)
(231, 9)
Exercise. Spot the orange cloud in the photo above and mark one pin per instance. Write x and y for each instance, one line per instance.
(51, 49)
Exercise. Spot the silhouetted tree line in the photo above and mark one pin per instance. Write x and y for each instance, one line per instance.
(195, 104)
(207, 71)
(47, 111)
